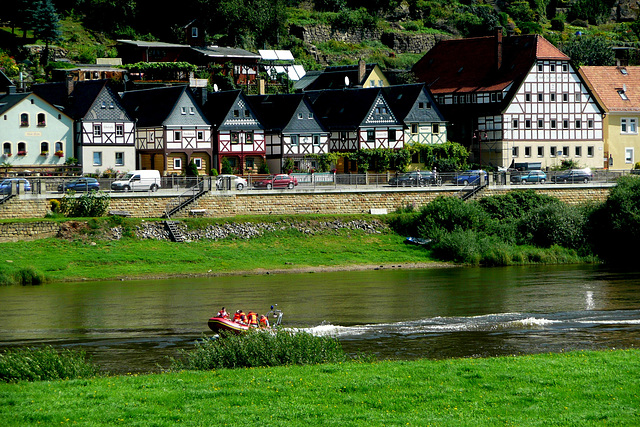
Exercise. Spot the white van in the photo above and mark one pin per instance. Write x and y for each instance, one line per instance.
(139, 180)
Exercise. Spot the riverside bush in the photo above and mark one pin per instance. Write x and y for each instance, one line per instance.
(44, 364)
(260, 348)
(554, 224)
(22, 276)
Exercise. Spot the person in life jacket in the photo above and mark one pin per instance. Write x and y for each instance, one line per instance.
(223, 313)
(253, 319)
(264, 321)
(240, 317)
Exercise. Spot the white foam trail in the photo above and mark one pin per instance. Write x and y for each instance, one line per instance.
(532, 321)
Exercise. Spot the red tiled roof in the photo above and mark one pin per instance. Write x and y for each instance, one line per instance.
(470, 65)
(606, 82)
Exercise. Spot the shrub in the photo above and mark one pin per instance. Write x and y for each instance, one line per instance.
(449, 214)
(225, 166)
(557, 24)
(92, 204)
(44, 364)
(260, 348)
(554, 224)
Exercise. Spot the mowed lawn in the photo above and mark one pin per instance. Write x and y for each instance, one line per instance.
(572, 389)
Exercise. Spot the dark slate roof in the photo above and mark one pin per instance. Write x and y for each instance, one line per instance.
(343, 109)
(334, 78)
(276, 111)
(402, 99)
(9, 101)
(5, 82)
(151, 107)
(218, 105)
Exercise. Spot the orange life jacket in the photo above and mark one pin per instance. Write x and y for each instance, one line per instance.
(253, 318)
(240, 317)
(264, 322)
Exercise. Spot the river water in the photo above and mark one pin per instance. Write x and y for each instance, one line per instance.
(134, 326)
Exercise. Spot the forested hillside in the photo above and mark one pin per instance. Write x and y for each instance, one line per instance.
(392, 33)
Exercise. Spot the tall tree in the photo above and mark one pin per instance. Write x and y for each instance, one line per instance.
(45, 23)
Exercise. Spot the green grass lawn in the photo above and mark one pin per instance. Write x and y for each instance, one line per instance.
(572, 389)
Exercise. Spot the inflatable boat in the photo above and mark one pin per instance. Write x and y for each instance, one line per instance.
(217, 324)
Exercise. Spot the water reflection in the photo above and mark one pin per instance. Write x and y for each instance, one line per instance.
(437, 313)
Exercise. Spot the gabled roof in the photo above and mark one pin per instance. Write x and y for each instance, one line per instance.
(219, 104)
(610, 83)
(402, 99)
(334, 78)
(5, 82)
(225, 52)
(142, 43)
(343, 109)
(277, 111)
(471, 65)
(7, 102)
(151, 107)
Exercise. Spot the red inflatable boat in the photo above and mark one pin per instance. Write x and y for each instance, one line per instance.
(217, 324)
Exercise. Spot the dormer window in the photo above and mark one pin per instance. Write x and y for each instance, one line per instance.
(624, 71)
(623, 95)
(183, 110)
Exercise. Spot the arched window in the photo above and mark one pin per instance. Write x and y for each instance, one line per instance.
(58, 146)
(44, 148)
(41, 119)
(22, 148)
(6, 148)
(24, 119)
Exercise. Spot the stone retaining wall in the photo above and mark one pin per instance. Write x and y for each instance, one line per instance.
(16, 231)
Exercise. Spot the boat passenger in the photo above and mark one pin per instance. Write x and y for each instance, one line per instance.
(264, 321)
(253, 319)
(223, 313)
(240, 317)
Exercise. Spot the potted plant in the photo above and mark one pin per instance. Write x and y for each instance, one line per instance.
(22, 153)
(44, 153)
(59, 153)
(6, 154)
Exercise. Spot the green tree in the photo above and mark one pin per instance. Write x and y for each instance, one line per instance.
(589, 50)
(45, 23)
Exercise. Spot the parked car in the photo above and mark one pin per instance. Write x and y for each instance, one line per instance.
(5, 185)
(80, 184)
(529, 176)
(237, 182)
(414, 179)
(138, 180)
(573, 175)
(277, 181)
(471, 177)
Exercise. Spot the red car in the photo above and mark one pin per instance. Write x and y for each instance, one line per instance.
(276, 181)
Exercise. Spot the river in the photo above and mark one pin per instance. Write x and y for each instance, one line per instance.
(134, 326)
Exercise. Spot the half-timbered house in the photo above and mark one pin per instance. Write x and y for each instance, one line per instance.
(358, 119)
(292, 130)
(104, 132)
(514, 100)
(171, 130)
(237, 133)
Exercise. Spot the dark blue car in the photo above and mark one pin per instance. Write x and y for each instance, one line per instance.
(5, 185)
(471, 177)
(80, 184)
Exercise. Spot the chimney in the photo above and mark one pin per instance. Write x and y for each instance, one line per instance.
(70, 84)
(498, 48)
(362, 70)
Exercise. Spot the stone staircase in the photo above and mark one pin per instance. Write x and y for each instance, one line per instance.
(174, 232)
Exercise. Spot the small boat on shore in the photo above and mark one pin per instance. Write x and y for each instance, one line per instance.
(217, 324)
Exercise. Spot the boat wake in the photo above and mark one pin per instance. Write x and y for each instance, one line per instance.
(491, 323)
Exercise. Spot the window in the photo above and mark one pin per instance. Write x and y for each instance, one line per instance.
(435, 128)
(194, 32)
(565, 124)
(540, 124)
(103, 105)
(540, 97)
(623, 95)
(553, 123)
(527, 124)
(177, 163)
(590, 151)
(316, 140)
(565, 67)
(540, 151)
(552, 68)
(119, 130)
(628, 125)
(24, 119)
(515, 123)
(578, 124)
(527, 151)
(372, 83)
(41, 119)
(183, 110)
(6, 148)
(310, 115)
(414, 128)
(392, 135)
(97, 158)
(236, 113)
(565, 97)
(247, 114)
(44, 147)
(58, 147)
(552, 151)
(527, 97)
(578, 97)
(514, 151)
(192, 111)
(565, 151)
(343, 136)
(234, 137)
(299, 115)
(200, 135)
(590, 124)
(97, 130)
(578, 151)
(420, 105)
(295, 140)
(198, 162)
(380, 83)
(371, 135)
(552, 97)
(177, 135)
(22, 148)
(119, 159)
(248, 138)
(628, 155)
(540, 68)
(249, 163)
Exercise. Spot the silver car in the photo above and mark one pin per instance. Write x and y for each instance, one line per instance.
(237, 182)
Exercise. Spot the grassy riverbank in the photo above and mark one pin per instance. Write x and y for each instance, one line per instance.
(89, 256)
(578, 388)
